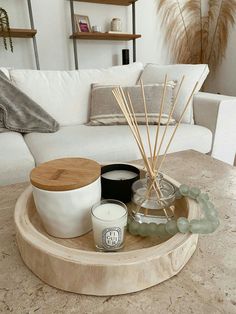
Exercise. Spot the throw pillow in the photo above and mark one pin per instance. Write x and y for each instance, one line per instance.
(154, 73)
(106, 111)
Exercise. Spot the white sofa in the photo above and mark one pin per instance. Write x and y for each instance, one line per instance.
(66, 94)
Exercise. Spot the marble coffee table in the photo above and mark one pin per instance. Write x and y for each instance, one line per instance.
(206, 285)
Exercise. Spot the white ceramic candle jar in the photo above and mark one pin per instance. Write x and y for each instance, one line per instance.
(109, 219)
(64, 192)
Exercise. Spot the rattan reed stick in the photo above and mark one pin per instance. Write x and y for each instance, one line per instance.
(128, 110)
(168, 121)
(146, 120)
(159, 120)
(176, 127)
(119, 97)
(135, 119)
(135, 124)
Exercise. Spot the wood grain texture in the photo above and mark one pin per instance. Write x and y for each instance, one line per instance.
(73, 265)
(19, 33)
(65, 174)
(196, 289)
(104, 36)
(113, 2)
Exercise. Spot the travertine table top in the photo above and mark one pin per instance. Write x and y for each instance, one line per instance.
(207, 284)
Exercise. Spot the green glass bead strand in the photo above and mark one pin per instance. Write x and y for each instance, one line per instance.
(183, 225)
(208, 224)
(133, 228)
(203, 196)
(184, 189)
(202, 226)
(215, 224)
(171, 227)
(161, 231)
(152, 229)
(178, 195)
(194, 192)
(143, 230)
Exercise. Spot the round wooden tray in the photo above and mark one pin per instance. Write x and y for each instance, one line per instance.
(74, 265)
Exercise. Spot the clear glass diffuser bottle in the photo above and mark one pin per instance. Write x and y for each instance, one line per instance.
(153, 199)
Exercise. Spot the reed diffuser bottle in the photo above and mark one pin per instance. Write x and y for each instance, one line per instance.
(153, 199)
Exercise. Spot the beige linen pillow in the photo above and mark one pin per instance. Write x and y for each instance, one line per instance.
(106, 111)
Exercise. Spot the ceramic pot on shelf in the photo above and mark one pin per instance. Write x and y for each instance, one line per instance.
(116, 25)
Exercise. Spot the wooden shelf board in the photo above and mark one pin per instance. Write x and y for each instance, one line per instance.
(114, 2)
(20, 33)
(105, 36)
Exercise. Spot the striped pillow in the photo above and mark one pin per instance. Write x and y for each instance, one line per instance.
(105, 110)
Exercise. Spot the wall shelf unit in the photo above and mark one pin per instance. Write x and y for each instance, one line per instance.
(103, 36)
(19, 33)
(113, 2)
(26, 33)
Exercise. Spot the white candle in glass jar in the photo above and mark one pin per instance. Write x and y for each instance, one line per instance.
(119, 175)
(109, 219)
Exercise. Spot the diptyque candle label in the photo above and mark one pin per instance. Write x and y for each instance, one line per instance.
(111, 237)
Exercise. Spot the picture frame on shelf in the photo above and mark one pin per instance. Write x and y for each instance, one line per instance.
(82, 23)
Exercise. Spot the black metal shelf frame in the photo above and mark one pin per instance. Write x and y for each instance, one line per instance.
(74, 31)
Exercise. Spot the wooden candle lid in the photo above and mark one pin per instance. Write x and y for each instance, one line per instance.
(65, 174)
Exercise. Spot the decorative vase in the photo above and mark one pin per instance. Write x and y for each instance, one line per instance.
(153, 199)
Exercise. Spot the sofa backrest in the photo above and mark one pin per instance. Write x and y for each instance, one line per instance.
(65, 95)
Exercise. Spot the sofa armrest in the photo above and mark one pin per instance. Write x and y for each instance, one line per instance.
(218, 113)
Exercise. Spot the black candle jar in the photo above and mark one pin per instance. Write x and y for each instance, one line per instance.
(117, 180)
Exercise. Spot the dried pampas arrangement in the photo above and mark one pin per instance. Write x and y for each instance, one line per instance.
(196, 31)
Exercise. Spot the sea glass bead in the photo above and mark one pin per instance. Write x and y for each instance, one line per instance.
(152, 229)
(194, 192)
(201, 202)
(178, 195)
(209, 209)
(204, 196)
(210, 205)
(134, 228)
(183, 225)
(161, 230)
(210, 212)
(184, 189)
(171, 227)
(202, 226)
(215, 224)
(143, 229)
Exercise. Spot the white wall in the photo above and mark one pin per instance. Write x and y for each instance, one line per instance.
(52, 20)
(223, 80)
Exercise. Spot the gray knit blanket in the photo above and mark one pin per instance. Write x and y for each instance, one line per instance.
(19, 113)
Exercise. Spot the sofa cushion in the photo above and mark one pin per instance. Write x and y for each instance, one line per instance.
(106, 111)
(16, 160)
(65, 95)
(154, 73)
(110, 143)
